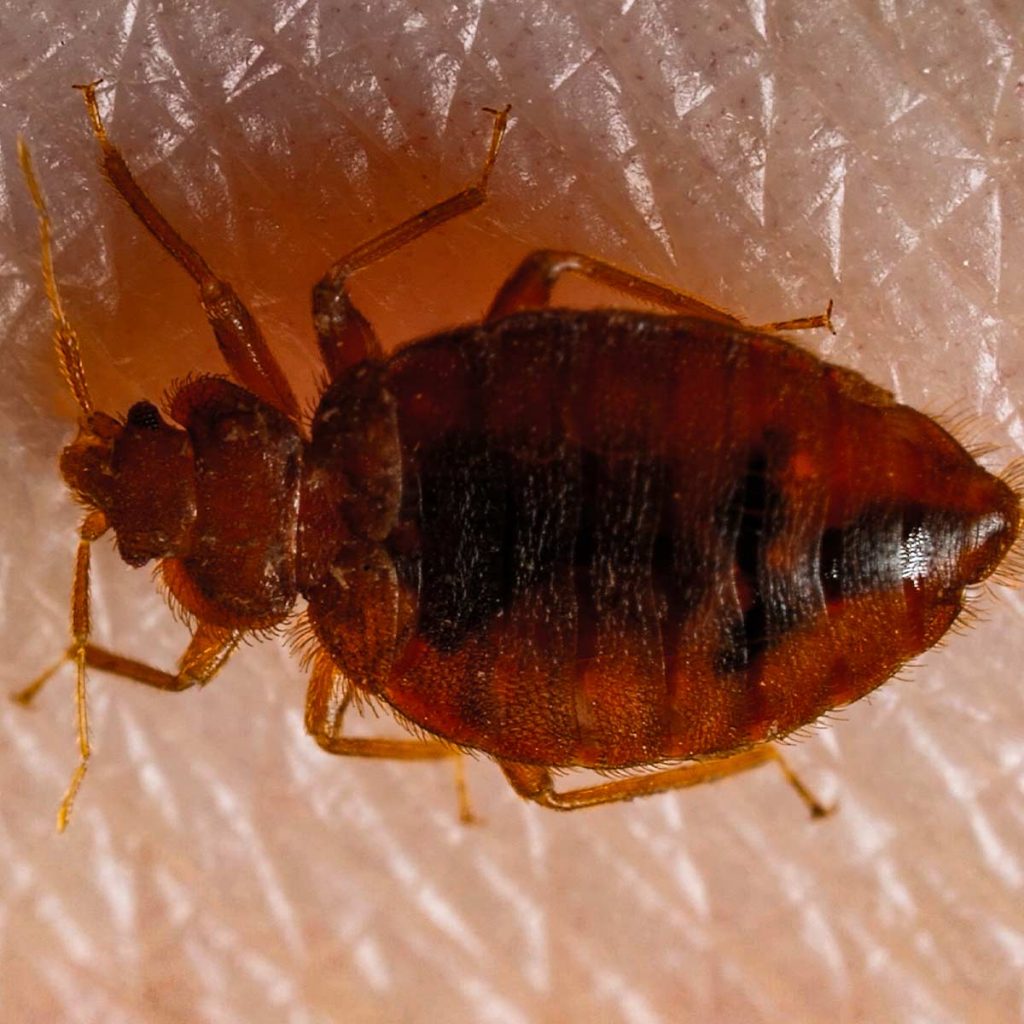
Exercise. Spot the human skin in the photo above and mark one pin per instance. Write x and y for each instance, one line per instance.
(219, 865)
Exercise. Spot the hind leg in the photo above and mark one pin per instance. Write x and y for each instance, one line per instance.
(536, 783)
(530, 286)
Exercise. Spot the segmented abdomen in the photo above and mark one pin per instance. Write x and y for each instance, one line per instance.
(641, 538)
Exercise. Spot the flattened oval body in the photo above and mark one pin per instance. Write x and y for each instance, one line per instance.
(639, 537)
(603, 539)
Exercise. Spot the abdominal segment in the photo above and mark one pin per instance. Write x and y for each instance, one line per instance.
(624, 539)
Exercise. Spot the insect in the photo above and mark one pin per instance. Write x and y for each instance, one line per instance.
(605, 539)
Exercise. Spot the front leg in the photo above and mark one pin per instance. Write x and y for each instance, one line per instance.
(207, 652)
(238, 336)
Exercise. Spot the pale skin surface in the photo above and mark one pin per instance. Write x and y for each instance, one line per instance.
(220, 865)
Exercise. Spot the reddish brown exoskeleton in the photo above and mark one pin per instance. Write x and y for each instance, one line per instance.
(604, 539)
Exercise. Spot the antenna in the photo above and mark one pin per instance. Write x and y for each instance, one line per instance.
(64, 338)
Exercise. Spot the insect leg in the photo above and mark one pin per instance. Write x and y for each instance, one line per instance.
(535, 783)
(207, 652)
(345, 335)
(530, 286)
(330, 695)
(800, 323)
(238, 336)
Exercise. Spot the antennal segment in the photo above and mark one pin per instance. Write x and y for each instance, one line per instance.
(64, 338)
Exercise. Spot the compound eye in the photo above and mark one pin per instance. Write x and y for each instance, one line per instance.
(144, 415)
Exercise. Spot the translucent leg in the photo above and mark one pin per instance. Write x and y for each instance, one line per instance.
(530, 286)
(238, 336)
(328, 698)
(345, 335)
(208, 650)
(535, 783)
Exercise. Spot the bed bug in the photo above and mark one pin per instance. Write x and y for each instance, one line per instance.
(604, 539)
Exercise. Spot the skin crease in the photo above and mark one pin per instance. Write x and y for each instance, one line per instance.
(219, 865)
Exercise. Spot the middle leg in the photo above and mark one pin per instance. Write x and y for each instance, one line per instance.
(345, 335)
(330, 696)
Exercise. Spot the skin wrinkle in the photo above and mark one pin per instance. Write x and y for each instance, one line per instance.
(349, 843)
